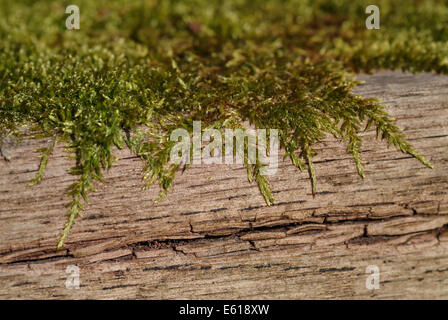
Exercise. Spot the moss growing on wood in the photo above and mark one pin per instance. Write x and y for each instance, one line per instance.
(136, 70)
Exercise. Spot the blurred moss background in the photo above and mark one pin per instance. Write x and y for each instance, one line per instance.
(413, 33)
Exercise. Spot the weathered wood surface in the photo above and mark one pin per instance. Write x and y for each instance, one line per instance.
(213, 236)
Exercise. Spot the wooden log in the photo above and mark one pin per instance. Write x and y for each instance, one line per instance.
(214, 237)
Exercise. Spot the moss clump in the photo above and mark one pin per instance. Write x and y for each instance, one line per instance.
(159, 65)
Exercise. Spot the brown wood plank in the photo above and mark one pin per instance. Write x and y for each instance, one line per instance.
(214, 237)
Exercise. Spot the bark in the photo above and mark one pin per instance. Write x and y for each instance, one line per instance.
(214, 237)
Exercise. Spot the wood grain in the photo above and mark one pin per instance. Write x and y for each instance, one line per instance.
(214, 237)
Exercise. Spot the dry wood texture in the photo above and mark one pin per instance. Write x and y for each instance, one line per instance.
(214, 237)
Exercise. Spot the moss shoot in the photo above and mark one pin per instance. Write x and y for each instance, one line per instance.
(138, 69)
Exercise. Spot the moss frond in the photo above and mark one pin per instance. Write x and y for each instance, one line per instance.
(45, 155)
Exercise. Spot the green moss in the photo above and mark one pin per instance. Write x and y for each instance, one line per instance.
(136, 70)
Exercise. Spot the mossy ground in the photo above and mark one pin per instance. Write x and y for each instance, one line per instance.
(159, 65)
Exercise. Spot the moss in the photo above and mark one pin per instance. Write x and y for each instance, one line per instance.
(136, 70)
